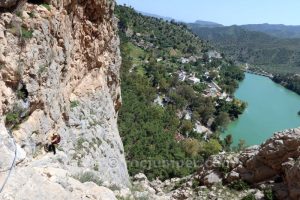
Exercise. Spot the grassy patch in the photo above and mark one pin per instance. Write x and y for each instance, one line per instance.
(42, 69)
(26, 33)
(74, 104)
(12, 118)
(269, 195)
(97, 141)
(239, 185)
(79, 144)
(249, 197)
(88, 177)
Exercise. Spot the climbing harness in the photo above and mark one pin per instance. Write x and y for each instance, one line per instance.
(12, 165)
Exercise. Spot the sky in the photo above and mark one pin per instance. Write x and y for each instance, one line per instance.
(226, 12)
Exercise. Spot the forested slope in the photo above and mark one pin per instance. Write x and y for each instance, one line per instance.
(167, 76)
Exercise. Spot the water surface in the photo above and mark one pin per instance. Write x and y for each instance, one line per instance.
(270, 108)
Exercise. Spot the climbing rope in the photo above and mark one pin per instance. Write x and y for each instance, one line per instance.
(12, 165)
(9, 170)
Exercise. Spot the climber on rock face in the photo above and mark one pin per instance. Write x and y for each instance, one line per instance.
(53, 140)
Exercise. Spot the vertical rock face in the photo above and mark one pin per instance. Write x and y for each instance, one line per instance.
(59, 72)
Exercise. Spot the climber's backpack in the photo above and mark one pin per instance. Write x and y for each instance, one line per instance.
(58, 139)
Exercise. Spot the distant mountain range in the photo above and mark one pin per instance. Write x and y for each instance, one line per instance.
(199, 22)
(208, 24)
(277, 30)
(275, 47)
(275, 54)
(157, 16)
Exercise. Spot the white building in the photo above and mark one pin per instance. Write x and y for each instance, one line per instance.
(184, 60)
(159, 101)
(199, 128)
(214, 54)
(182, 75)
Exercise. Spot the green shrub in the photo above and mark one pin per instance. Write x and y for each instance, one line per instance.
(249, 197)
(74, 104)
(269, 195)
(21, 94)
(79, 144)
(212, 147)
(12, 118)
(31, 14)
(114, 187)
(224, 168)
(239, 185)
(42, 68)
(47, 6)
(88, 177)
(192, 147)
(123, 198)
(178, 184)
(25, 33)
(195, 183)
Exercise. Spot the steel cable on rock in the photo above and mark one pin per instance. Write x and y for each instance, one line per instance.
(12, 165)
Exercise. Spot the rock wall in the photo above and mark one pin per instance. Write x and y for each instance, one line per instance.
(59, 72)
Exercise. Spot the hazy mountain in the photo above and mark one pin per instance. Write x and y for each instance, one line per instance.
(157, 16)
(207, 23)
(277, 30)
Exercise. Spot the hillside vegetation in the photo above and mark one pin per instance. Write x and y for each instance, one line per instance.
(172, 82)
(277, 55)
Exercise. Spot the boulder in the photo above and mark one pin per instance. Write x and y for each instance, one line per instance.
(212, 178)
(232, 176)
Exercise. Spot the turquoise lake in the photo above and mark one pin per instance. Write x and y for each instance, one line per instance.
(270, 108)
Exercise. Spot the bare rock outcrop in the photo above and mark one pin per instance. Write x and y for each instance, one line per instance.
(275, 163)
(186, 188)
(59, 72)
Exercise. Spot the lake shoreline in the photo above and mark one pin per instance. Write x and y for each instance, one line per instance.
(262, 94)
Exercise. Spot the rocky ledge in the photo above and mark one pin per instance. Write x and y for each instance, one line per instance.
(268, 171)
(274, 164)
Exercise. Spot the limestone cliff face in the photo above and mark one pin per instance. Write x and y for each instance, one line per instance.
(59, 72)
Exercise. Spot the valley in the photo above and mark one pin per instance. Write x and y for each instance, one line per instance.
(177, 94)
(99, 101)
